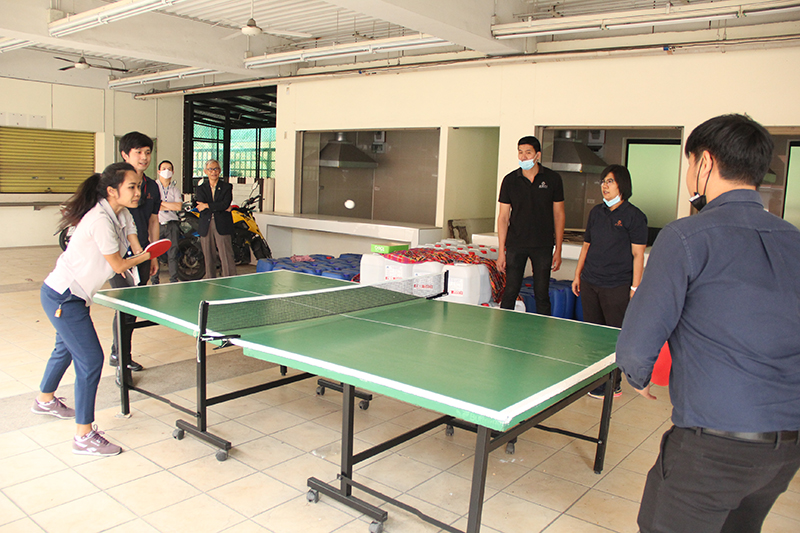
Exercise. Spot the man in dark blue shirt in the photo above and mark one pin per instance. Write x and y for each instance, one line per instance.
(723, 287)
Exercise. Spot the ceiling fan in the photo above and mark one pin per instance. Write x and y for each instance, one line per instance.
(251, 29)
(82, 64)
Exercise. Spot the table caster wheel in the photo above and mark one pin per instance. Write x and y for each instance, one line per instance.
(178, 434)
(320, 390)
(510, 448)
(376, 527)
(312, 496)
(283, 370)
(221, 455)
(363, 405)
(449, 430)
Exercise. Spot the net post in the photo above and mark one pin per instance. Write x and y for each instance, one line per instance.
(445, 279)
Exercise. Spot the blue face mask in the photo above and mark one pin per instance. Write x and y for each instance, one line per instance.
(527, 164)
(614, 201)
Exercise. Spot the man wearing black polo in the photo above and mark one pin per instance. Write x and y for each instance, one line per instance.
(530, 222)
(723, 287)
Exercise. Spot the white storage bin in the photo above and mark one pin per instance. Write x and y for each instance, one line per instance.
(395, 270)
(373, 268)
(468, 284)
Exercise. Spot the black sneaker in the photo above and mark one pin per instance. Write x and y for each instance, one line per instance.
(113, 360)
(600, 392)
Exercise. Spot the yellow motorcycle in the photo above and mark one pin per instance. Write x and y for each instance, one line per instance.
(246, 235)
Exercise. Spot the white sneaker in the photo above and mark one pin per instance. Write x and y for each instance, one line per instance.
(54, 407)
(94, 443)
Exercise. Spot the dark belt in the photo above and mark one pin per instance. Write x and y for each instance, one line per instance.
(771, 437)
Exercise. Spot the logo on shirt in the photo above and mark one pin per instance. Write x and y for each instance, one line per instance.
(618, 224)
(542, 185)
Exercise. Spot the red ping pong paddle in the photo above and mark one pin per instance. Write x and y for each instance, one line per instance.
(662, 367)
(157, 248)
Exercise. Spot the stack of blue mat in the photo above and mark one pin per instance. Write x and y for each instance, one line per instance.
(346, 266)
(563, 302)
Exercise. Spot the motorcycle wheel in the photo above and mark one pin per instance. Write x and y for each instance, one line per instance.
(241, 248)
(261, 249)
(65, 236)
(191, 263)
(241, 254)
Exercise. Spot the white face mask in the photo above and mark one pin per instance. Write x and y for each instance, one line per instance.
(166, 173)
(614, 201)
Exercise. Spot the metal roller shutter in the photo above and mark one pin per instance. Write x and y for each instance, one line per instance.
(37, 161)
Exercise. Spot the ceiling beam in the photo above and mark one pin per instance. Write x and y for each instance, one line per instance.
(150, 37)
(465, 23)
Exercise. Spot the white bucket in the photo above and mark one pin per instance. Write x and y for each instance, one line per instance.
(373, 268)
(423, 269)
(395, 270)
(468, 284)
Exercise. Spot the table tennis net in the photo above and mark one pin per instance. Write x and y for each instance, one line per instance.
(230, 315)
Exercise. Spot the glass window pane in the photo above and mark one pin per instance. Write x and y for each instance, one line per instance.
(791, 211)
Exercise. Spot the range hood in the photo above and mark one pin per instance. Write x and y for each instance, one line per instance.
(570, 155)
(342, 154)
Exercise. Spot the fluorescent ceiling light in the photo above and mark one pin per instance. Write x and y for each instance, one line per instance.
(393, 44)
(776, 11)
(520, 34)
(160, 76)
(667, 22)
(103, 15)
(321, 53)
(266, 61)
(383, 48)
(9, 44)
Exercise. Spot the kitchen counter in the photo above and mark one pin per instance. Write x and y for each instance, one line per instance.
(300, 234)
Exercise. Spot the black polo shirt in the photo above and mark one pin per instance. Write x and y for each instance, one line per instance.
(149, 204)
(531, 223)
(609, 261)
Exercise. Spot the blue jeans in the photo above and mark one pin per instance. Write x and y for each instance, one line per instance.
(76, 341)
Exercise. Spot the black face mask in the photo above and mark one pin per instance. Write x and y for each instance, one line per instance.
(699, 201)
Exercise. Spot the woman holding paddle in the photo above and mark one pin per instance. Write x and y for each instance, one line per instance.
(104, 232)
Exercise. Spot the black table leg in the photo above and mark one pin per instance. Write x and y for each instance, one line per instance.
(605, 423)
(478, 480)
(124, 359)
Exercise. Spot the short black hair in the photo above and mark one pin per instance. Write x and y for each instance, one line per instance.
(167, 161)
(533, 141)
(134, 139)
(622, 177)
(741, 147)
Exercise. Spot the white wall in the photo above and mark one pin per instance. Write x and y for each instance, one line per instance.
(680, 90)
(103, 112)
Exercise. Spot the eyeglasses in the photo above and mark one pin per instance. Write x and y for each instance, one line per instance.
(213, 169)
(607, 181)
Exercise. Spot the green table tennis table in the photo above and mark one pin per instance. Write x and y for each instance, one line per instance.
(494, 372)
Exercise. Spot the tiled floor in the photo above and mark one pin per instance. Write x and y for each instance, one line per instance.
(282, 437)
